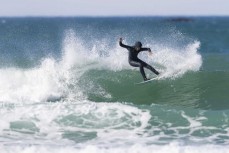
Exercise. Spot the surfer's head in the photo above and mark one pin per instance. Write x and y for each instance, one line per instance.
(138, 45)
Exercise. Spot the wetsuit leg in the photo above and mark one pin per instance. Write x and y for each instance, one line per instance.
(139, 63)
(141, 66)
(149, 67)
(152, 69)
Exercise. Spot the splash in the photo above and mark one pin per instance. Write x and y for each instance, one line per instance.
(174, 63)
(37, 84)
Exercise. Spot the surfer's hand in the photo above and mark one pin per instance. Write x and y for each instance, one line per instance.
(120, 39)
(150, 53)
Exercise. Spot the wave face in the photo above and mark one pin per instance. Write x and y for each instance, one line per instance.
(66, 85)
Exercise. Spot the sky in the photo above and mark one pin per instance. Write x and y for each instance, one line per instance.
(114, 7)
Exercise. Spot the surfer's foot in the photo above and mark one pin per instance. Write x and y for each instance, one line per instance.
(157, 73)
(145, 79)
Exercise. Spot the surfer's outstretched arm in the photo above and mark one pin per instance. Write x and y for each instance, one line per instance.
(122, 45)
(147, 49)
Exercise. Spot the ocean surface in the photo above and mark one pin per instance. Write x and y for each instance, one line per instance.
(66, 85)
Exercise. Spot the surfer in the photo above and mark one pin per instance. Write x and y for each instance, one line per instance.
(135, 61)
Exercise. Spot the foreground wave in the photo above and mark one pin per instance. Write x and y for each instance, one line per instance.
(80, 70)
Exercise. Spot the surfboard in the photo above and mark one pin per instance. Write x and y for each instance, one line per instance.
(158, 77)
(148, 80)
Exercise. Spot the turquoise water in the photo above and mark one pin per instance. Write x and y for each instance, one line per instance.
(66, 85)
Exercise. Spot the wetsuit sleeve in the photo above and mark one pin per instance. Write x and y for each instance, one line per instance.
(145, 49)
(124, 46)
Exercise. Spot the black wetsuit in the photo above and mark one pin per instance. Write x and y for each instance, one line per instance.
(136, 62)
